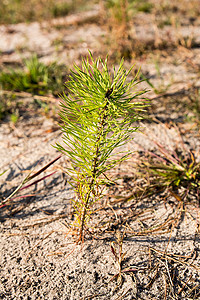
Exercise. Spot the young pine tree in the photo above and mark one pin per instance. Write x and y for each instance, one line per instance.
(98, 115)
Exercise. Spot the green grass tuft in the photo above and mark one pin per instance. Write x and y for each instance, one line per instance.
(35, 77)
(176, 172)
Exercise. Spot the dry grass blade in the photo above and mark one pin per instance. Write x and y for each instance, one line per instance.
(167, 265)
(44, 222)
(44, 168)
(170, 256)
(152, 280)
(123, 295)
(169, 276)
(184, 285)
(33, 248)
(28, 178)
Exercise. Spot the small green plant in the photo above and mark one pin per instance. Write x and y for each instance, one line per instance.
(175, 171)
(118, 9)
(14, 118)
(36, 77)
(124, 10)
(98, 115)
(144, 6)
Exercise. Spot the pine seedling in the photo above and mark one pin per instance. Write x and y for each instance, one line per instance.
(98, 115)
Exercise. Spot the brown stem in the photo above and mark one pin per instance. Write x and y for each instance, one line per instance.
(94, 171)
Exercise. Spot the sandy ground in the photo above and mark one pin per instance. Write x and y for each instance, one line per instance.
(39, 259)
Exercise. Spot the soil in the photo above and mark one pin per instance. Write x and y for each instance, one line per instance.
(39, 258)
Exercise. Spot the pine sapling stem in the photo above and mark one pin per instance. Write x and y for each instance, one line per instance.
(94, 171)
